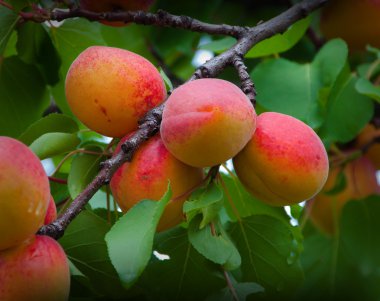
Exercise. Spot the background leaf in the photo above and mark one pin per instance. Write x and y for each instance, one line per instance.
(23, 96)
(51, 144)
(269, 254)
(51, 123)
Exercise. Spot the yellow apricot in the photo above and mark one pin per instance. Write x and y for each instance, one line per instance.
(284, 163)
(147, 177)
(207, 121)
(24, 193)
(110, 89)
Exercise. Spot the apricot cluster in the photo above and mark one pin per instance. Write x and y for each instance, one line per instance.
(205, 122)
(32, 267)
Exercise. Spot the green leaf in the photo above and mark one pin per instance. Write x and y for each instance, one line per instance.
(168, 83)
(206, 201)
(84, 245)
(51, 123)
(350, 258)
(280, 42)
(238, 201)
(269, 254)
(52, 144)
(8, 21)
(186, 276)
(347, 111)
(218, 248)
(130, 241)
(365, 87)
(84, 168)
(294, 89)
(219, 46)
(23, 96)
(35, 46)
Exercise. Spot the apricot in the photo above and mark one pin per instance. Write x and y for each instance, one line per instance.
(284, 163)
(36, 270)
(24, 193)
(325, 209)
(51, 213)
(115, 5)
(367, 135)
(355, 21)
(110, 89)
(147, 177)
(207, 121)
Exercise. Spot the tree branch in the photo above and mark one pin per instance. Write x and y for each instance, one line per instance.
(247, 84)
(247, 38)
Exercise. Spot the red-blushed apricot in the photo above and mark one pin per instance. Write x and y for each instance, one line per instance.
(284, 163)
(110, 89)
(51, 212)
(36, 270)
(325, 209)
(366, 136)
(207, 121)
(147, 177)
(355, 21)
(24, 193)
(115, 5)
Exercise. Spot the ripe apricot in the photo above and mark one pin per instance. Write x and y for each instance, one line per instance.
(115, 5)
(110, 89)
(325, 209)
(24, 193)
(207, 121)
(355, 21)
(36, 270)
(147, 177)
(366, 136)
(284, 163)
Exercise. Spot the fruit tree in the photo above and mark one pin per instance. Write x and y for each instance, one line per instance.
(189, 150)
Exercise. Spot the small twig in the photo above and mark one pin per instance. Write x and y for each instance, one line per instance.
(247, 84)
(57, 180)
(5, 4)
(230, 285)
(314, 38)
(225, 274)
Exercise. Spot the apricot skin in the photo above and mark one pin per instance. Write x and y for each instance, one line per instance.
(147, 177)
(110, 89)
(115, 5)
(206, 122)
(24, 193)
(355, 21)
(325, 209)
(284, 163)
(51, 212)
(366, 136)
(36, 270)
